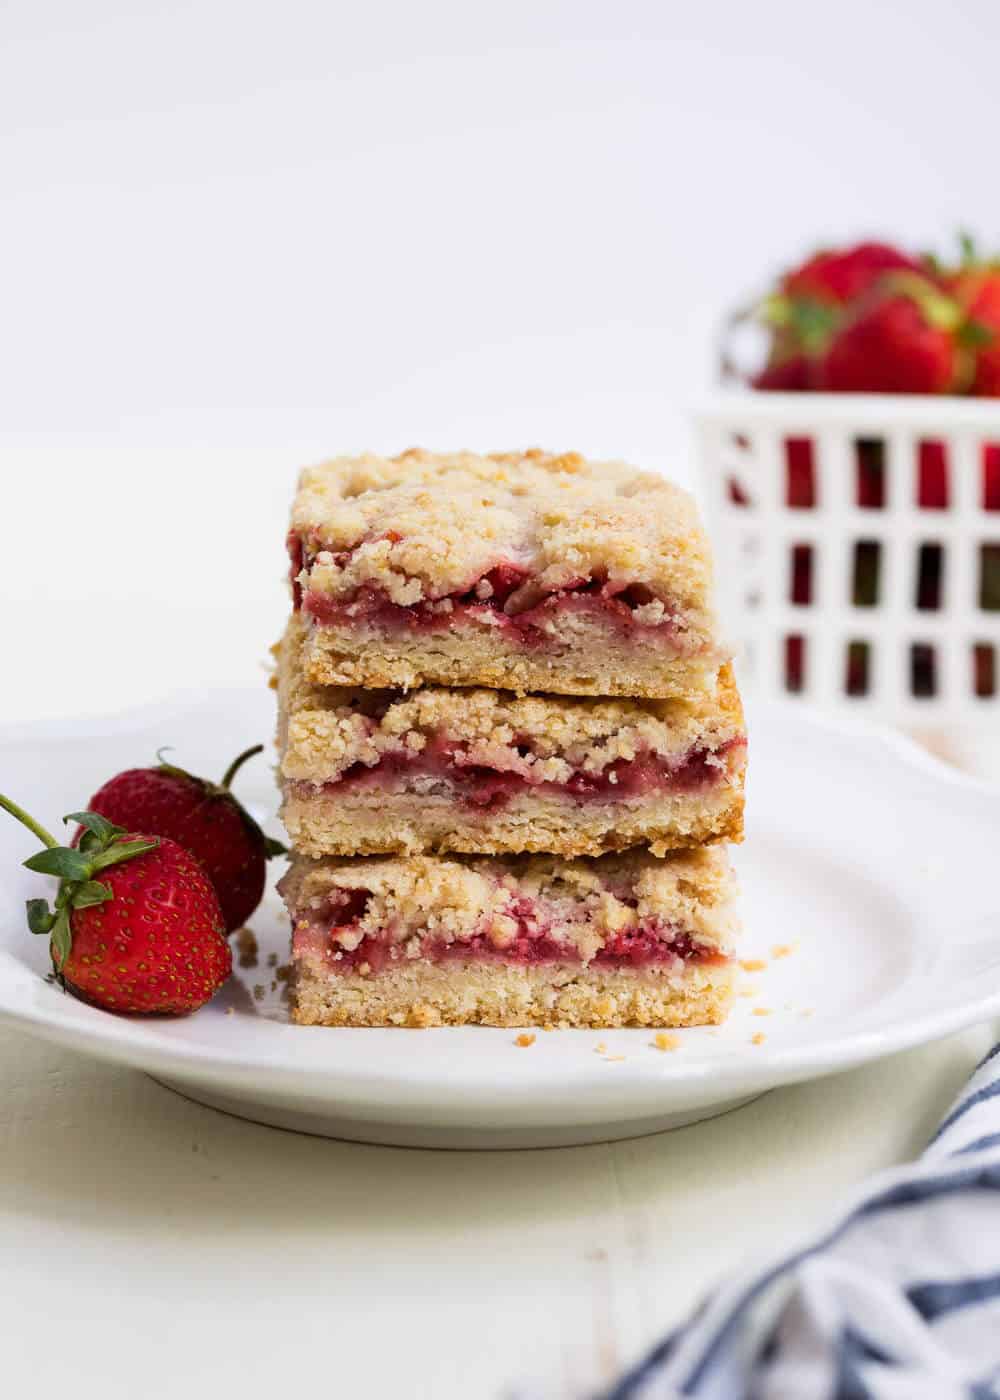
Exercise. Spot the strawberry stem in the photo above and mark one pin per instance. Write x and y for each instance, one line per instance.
(238, 763)
(22, 816)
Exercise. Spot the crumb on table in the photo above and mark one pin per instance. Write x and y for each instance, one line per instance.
(758, 1038)
(525, 1039)
(753, 964)
(762, 1011)
(783, 950)
(747, 992)
(663, 1041)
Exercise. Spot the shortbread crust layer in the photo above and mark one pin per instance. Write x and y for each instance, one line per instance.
(326, 822)
(423, 995)
(582, 655)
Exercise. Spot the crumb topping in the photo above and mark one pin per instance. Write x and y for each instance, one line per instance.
(454, 899)
(424, 525)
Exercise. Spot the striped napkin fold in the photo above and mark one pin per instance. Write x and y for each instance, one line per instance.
(899, 1300)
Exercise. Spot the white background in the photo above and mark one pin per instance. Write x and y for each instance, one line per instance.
(238, 237)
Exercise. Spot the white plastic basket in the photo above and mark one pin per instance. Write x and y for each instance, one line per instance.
(858, 549)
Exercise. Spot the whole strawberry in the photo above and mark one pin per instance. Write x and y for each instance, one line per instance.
(136, 926)
(203, 817)
(903, 340)
(837, 276)
(810, 303)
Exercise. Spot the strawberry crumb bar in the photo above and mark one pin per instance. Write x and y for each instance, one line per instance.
(512, 941)
(525, 571)
(436, 770)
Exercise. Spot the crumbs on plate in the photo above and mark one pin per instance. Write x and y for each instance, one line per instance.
(753, 964)
(247, 947)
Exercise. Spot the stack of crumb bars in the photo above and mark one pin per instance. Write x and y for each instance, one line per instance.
(511, 748)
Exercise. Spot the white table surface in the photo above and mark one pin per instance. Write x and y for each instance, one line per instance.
(145, 1238)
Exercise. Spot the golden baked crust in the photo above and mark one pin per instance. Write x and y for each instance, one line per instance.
(458, 994)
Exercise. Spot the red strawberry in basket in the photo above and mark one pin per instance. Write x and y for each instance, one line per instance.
(203, 817)
(836, 277)
(136, 925)
(903, 339)
(810, 304)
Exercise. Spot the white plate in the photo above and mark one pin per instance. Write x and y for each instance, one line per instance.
(876, 862)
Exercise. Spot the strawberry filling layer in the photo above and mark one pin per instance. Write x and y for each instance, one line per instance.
(490, 788)
(647, 943)
(507, 598)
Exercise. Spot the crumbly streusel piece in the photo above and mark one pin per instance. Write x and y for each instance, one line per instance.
(624, 939)
(436, 770)
(525, 571)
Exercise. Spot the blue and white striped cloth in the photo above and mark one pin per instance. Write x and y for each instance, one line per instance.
(899, 1300)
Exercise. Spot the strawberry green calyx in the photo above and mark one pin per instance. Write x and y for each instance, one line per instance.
(101, 845)
(976, 334)
(939, 310)
(810, 322)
